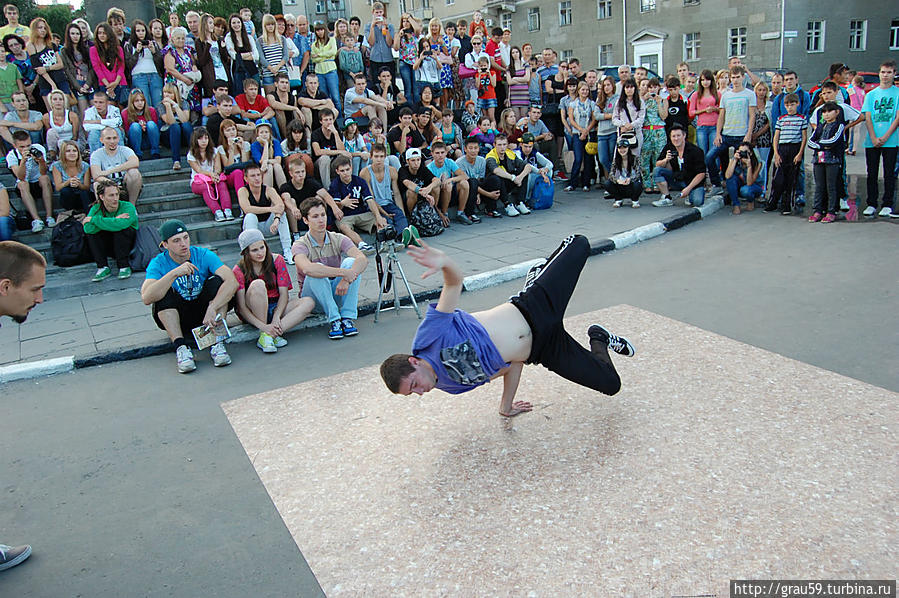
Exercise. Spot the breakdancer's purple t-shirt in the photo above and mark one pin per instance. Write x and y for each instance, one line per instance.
(458, 348)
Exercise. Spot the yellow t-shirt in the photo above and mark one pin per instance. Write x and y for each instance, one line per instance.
(20, 30)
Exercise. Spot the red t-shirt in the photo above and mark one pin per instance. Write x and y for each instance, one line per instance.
(282, 278)
(493, 52)
(259, 105)
(486, 91)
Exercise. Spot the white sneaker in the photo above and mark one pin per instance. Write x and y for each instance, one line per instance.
(228, 214)
(869, 211)
(663, 203)
(280, 341)
(716, 190)
(288, 257)
(844, 205)
(219, 216)
(37, 225)
(185, 359)
(522, 209)
(363, 247)
(885, 212)
(511, 211)
(219, 355)
(617, 203)
(266, 343)
(635, 204)
(687, 202)
(51, 221)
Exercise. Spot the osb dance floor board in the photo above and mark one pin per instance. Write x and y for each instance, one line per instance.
(716, 461)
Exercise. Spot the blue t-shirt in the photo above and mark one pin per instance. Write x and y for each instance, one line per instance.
(357, 188)
(882, 105)
(449, 167)
(256, 151)
(189, 286)
(459, 349)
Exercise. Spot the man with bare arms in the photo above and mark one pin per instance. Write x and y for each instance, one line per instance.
(456, 351)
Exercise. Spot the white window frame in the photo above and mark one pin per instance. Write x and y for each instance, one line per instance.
(894, 34)
(647, 5)
(603, 9)
(505, 21)
(741, 35)
(691, 2)
(321, 7)
(565, 9)
(566, 55)
(611, 55)
(854, 35)
(696, 46)
(534, 19)
(812, 33)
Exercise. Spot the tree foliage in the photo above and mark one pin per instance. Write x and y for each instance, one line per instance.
(219, 8)
(58, 16)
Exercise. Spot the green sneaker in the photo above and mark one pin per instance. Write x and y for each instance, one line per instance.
(102, 274)
(411, 236)
(124, 273)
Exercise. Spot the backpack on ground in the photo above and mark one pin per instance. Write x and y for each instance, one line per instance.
(68, 245)
(146, 247)
(543, 194)
(426, 219)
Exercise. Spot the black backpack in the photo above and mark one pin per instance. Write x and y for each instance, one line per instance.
(68, 245)
(146, 247)
(426, 219)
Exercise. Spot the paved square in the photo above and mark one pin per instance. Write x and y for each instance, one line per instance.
(716, 461)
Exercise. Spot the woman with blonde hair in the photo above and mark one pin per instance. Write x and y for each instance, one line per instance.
(60, 123)
(46, 59)
(442, 52)
(274, 52)
(176, 121)
(323, 55)
(722, 80)
(141, 123)
(233, 152)
(71, 178)
(86, 32)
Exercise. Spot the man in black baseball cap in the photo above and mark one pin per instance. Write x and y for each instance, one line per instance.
(187, 286)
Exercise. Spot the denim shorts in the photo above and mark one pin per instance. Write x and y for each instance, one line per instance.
(484, 104)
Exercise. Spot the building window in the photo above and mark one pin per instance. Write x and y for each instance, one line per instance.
(894, 35)
(691, 2)
(858, 35)
(403, 6)
(647, 5)
(505, 21)
(320, 7)
(603, 9)
(736, 41)
(533, 19)
(565, 13)
(691, 46)
(605, 55)
(814, 37)
(566, 55)
(450, 2)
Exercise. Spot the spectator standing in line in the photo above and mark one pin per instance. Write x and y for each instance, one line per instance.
(606, 134)
(243, 52)
(406, 44)
(108, 63)
(274, 53)
(881, 112)
(581, 119)
(46, 60)
(857, 100)
(788, 146)
(28, 163)
(703, 107)
(10, 82)
(653, 132)
(15, 45)
(262, 300)
(323, 55)
(186, 287)
(791, 85)
(828, 145)
(110, 229)
(329, 270)
(379, 34)
(736, 116)
(761, 131)
(13, 26)
(629, 114)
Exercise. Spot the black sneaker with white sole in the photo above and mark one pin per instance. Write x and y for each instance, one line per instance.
(618, 344)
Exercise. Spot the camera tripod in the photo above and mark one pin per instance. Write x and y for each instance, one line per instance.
(391, 266)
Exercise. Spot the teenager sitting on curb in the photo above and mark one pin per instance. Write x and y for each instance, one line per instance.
(262, 297)
(329, 267)
(187, 286)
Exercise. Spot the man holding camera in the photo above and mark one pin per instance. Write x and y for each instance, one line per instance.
(379, 36)
(681, 167)
(329, 269)
(28, 162)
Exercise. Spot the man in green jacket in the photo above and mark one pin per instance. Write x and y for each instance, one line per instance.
(110, 228)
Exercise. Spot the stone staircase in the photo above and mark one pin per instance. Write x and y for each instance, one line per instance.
(166, 194)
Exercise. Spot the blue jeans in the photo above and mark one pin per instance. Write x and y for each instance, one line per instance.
(399, 218)
(408, 78)
(720, 152)
(748, 192)
(330, 84)
(7, 226)
(605, 145)
(705, 136)
(151, 85)
(178, 135)
(136, 137)
(577, 146)
(697, 194)
(93, 138)
(763, 153)
(322, 291)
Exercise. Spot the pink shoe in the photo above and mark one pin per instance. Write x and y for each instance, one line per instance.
(829, 218)
(816, 217)
(852, 214)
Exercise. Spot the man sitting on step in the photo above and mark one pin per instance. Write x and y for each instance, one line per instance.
(118, 163)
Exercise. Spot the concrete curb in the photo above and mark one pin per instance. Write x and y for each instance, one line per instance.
(475, 282)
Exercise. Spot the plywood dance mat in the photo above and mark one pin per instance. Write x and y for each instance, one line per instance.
(716, 461)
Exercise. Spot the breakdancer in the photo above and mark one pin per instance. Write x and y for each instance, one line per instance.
(456, 351)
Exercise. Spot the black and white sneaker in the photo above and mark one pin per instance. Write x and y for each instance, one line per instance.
(618, 344)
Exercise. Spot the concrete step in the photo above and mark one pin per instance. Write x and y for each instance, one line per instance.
(154, 188)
